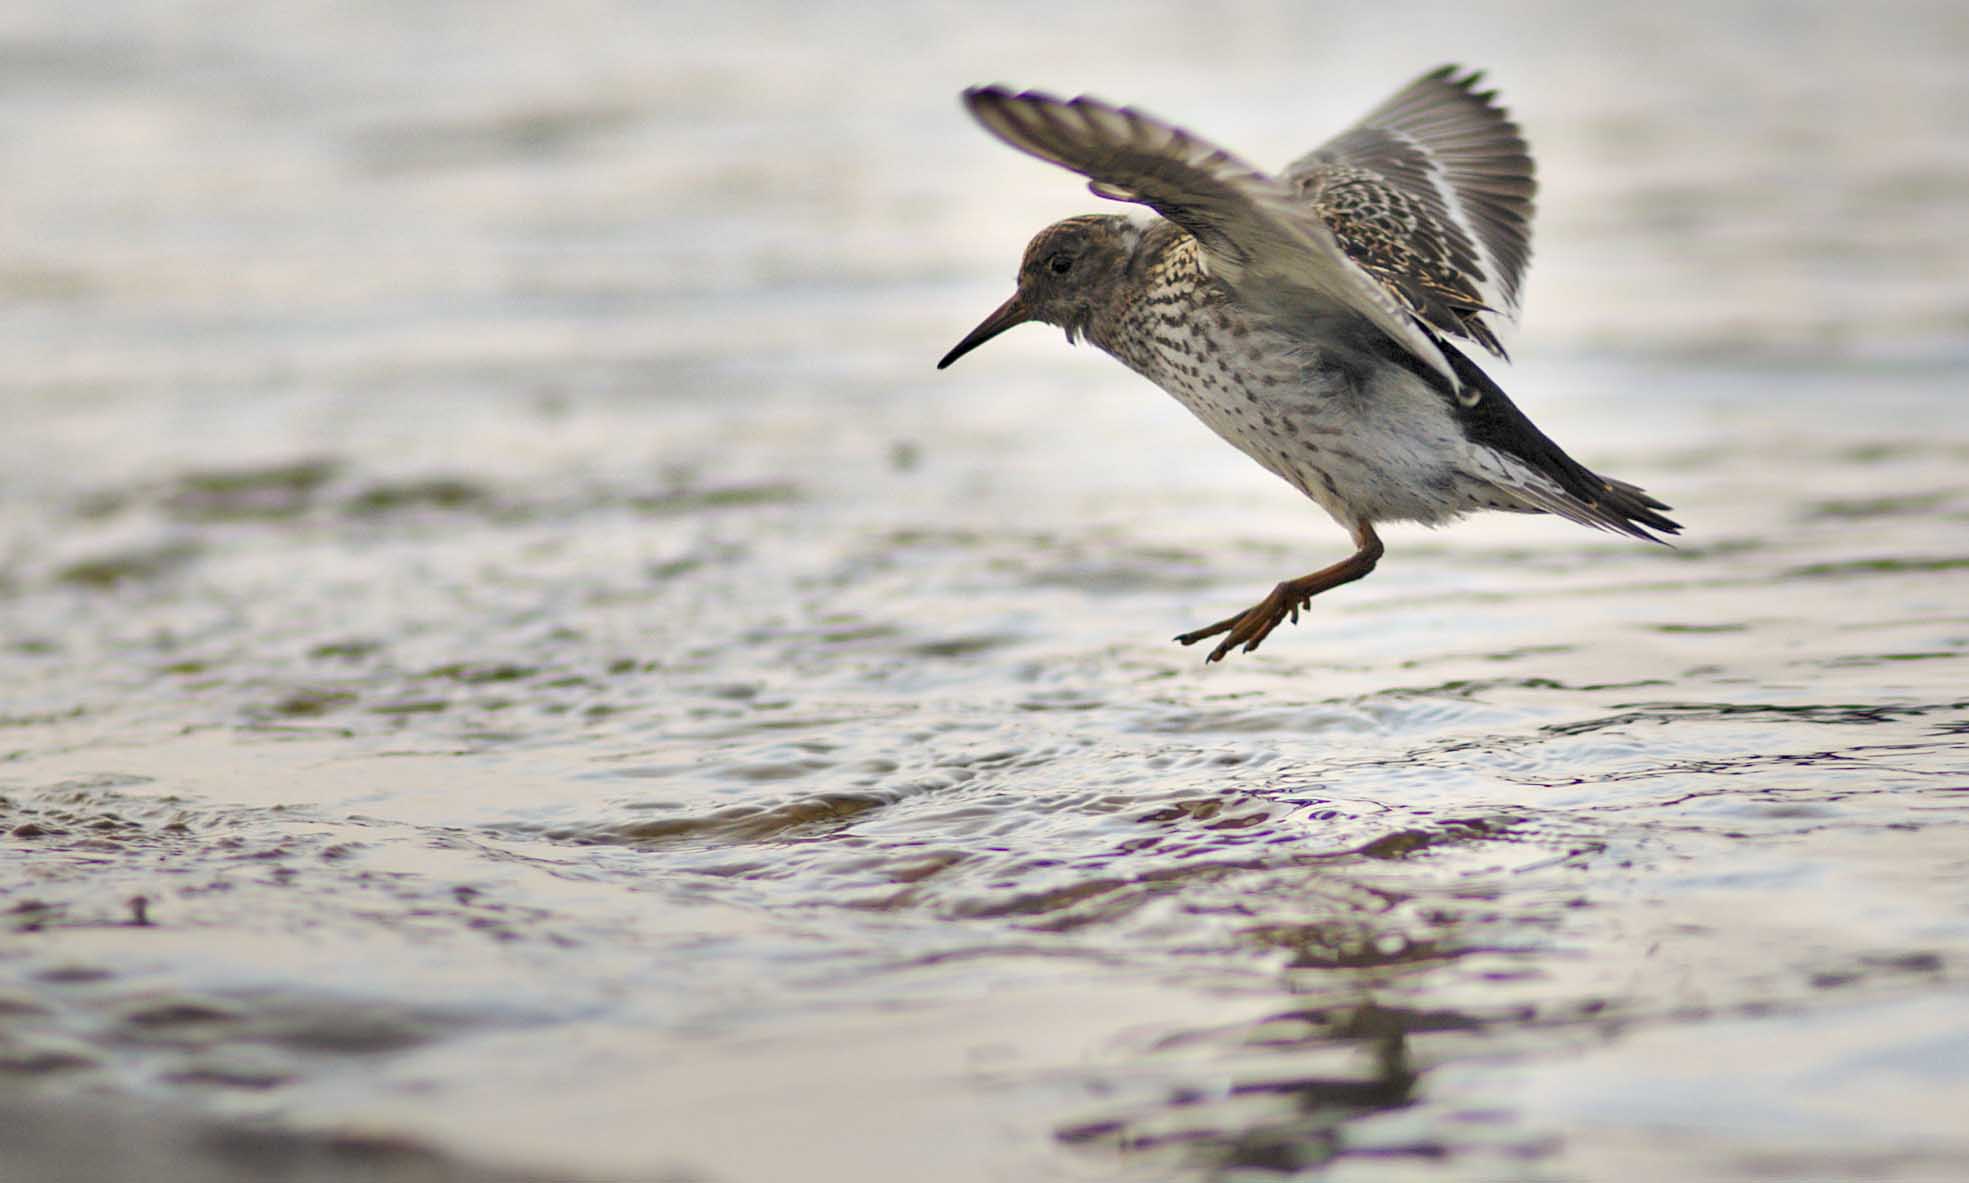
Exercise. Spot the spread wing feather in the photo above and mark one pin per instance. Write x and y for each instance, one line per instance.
(1431, 193)
(1257, 234)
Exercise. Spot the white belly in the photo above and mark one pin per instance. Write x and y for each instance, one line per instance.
(1387, 449)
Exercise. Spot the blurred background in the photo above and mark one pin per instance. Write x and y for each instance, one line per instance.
(297, 193)
(486, 560)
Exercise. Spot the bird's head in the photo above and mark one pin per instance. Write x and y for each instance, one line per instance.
(1069, 271)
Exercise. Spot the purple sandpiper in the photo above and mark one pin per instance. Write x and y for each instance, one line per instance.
(1307, 317)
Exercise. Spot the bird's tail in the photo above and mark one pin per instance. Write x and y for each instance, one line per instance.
(1596, 501)
(1524, 464)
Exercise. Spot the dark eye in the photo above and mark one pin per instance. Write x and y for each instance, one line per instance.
(1059, 264)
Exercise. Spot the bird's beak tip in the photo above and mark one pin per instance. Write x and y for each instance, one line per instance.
(1011, 313)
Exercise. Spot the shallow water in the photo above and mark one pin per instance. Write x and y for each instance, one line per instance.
(515, 666)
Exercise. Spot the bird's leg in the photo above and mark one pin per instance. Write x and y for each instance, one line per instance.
(1250, 627)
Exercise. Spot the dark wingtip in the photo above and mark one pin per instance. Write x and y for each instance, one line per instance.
(1638, 513)
(994, 93)
(978, 98)
(1457, 77)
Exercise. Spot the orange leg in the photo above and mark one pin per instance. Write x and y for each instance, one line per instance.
(1250, 627)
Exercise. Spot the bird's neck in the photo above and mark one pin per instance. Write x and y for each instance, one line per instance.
(1165, 287)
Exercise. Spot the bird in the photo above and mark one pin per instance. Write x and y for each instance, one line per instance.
(1315, 319)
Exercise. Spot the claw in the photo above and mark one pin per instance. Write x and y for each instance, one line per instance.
(1247, 630)
(1250, 627)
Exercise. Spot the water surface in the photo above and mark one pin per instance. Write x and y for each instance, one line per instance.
(512, 665)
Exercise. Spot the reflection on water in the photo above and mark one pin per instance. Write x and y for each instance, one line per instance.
(1290, 1123)
(513, 665)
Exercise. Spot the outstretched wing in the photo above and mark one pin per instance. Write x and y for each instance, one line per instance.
(1431, 194)
(1255, 232)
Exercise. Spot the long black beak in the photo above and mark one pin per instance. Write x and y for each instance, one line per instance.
(1011, 312)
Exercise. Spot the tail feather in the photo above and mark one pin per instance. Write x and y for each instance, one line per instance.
(1534, 470)
(1619, 508)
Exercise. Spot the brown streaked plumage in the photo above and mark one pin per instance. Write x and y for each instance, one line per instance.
(1307, 318)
